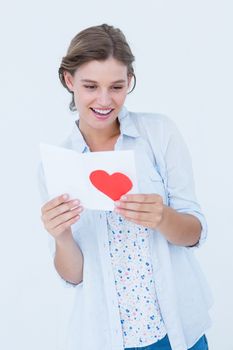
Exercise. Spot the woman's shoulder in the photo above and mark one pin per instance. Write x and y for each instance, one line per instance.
(70, 138)
(153, 122)
(148, 115)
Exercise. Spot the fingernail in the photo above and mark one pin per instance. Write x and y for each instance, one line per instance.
(65, 196)
(117, 203)
(123, 198)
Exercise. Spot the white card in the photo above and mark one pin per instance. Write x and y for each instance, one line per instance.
(67, 171)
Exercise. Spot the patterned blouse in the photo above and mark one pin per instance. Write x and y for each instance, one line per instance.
(141, 319)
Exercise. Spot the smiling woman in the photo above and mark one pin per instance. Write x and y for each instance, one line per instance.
(99, 90)
(97, 44)
(138, 284)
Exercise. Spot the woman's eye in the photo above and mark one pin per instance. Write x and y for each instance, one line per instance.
(91, 87)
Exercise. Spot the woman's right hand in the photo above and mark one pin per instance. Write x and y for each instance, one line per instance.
(59, 214)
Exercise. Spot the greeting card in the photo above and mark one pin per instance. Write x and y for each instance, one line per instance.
(97, 179)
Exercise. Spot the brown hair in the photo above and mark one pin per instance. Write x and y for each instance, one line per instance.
(96, 43)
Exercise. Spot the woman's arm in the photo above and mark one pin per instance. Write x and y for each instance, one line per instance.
(148, 210)
(180, 229)
(68, 259)
(57, 216)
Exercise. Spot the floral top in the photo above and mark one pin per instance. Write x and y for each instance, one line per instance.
(140, 315)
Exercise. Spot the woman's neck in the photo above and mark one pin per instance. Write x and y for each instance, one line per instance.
(101, 139)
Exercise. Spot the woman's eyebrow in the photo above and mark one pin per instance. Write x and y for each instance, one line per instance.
(93, 81)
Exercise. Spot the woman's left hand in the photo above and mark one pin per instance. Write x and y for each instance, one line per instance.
(142, 209)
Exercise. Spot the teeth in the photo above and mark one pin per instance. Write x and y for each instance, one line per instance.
(106, 111)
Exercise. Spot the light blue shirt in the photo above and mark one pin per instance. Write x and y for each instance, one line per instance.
(164, 167)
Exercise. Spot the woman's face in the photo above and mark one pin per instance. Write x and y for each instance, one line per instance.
(100, 89)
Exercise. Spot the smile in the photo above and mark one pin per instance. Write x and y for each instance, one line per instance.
(102, 112)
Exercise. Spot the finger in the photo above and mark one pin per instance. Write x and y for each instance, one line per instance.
(54, 202)
(135, 215)
(141, 198)
(62, 208)
(135, 206)
(64, 218)
(65, 225)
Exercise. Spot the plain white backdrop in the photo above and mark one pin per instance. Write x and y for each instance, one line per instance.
(184, 69)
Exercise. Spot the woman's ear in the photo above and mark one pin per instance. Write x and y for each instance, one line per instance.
(129, 79)
(69, 80)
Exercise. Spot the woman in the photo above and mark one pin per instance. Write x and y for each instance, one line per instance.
(138, 285)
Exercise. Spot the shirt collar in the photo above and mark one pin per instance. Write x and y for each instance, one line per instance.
(127, 127)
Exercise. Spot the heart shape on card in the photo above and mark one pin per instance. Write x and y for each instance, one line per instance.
(114, 186)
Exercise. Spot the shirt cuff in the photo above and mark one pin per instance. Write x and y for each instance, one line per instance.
(204, 230)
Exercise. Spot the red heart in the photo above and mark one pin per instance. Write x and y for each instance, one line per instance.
(114, 186)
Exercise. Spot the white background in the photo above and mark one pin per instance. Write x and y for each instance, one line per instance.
(184, 69)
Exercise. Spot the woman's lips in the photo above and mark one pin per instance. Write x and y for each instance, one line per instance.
(102, 116)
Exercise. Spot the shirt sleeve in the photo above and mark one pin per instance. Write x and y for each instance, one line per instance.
(180, 182)
(51, 241)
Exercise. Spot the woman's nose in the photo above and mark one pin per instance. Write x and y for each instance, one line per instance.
(104, 98)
